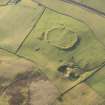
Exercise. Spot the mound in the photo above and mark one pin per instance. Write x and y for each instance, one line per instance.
(62, 38)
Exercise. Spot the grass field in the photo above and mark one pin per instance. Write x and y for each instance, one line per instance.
(95, 21)
(86, 47)
(16, 21)
(50, 58)
(18, 77)
(4, 2)
(97, 82)
(51, 37)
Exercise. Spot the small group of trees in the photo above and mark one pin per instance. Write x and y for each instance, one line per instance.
(72, 70)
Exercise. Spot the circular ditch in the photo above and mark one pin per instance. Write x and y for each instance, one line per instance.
(61, 37)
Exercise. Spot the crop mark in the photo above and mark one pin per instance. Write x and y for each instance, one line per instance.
(5, 4)
(68, 15)
(34, 62)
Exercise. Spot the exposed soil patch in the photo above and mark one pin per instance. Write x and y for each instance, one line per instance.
(42, 93)
(31, 88)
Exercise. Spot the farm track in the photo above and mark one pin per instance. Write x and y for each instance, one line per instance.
(96, 11)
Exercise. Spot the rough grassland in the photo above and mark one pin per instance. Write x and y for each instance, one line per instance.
(21, 79)
(10, 67)
(50, 58)
(97, 4)
(97, 82)
(81, 95)
(16, 21)
(94, 21)
(96, 24)
(3, 2)
(87, 46)
(17, 79)
(62, 38)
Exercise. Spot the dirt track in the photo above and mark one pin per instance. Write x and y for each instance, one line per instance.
(85, 7)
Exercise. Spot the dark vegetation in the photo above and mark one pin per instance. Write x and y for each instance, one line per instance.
(21, 82)
(72, 70)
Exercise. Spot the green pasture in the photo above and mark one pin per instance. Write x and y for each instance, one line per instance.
(87, 51)
(50, 38)
(97, 4)
(10, 66)
(61, 37)
(16, 21)
(97, 82)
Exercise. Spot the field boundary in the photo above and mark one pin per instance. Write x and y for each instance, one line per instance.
(62, 13)
(30, 31)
